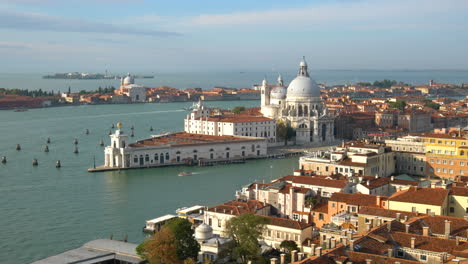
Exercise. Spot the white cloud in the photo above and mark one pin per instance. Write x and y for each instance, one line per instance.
(345, 13)
(43, 22)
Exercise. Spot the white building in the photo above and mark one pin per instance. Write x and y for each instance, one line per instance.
(179, 148)
(136, 93)
(352, 158)
(301, 107)
(203, 121)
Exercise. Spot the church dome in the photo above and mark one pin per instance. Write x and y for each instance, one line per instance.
(303, 86)
(278, 93)
(129, 80)
(203, 232)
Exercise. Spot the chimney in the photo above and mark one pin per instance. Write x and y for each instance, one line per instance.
(457, 241)
(351, 245)
(332, 242)
(398, 215)
(433, 185)
(318, 251)
(389, 226)
(312, 249)
(390, 252)
(405, 218)
(300, 256)
(282, 258)
(274, 261)
(425, 231)
(378, 200)
(447, 229)
(232, 212)
(413, 241)
(392, 178)
(293, 255)
(407, 226)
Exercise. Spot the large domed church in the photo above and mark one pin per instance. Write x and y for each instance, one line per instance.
(300, 106)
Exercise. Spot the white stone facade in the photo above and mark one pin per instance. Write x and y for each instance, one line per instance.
(187, 149)
(136, 93)
(301, 107)
(202, 121)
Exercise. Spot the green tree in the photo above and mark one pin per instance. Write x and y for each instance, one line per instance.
(289, 245)
(187, 246)
(238, 109)
(245, 231)
(284, 131)
(160, 249)
(399, 104)
(431, 104)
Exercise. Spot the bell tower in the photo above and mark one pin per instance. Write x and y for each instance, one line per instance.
(265, 96)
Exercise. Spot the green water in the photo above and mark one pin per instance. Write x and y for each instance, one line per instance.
(45, 211)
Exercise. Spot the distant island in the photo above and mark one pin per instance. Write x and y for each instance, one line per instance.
(88, 76)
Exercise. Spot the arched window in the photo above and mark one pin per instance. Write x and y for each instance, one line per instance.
(178, 152)
(462, 153)
(167, 155)
(156, 157)
(147, 158)
(123, 144)
(115, 144)
(211, 149)
(299, 111)
(135, 159)
(228, 149)
(195, 151)
(161, 158)
(306, 110)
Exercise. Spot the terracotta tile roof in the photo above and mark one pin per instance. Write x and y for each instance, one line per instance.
(321, 208)
(429, 243)
(355, 199)
(432, 196)
(188, 139)
(374, 211)
(238, 208)
(459, 191)
(436, 224)
(360, 258)
(287, 223)
(319, 181)
(349, 162)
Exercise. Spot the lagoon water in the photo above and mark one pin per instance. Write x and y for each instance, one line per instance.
(45, 211)
(204, 80)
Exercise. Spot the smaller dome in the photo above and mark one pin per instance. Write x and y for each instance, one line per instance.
(203, 232)
(129, 80)
(278, 92)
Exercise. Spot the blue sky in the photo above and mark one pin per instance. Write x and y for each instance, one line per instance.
(191, 36)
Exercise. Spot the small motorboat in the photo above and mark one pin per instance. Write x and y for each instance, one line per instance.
(185, 173)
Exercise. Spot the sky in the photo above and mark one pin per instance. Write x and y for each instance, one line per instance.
(241, 35)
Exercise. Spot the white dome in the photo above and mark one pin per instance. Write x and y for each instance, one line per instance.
(303, 86)
(278, 93)
(203, 232)
(129, 80)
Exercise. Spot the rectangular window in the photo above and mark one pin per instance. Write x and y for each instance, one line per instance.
(452, 210)
(423, 257)
(451, 162)
(219, 222)
(462, 163)
(444, 161)
(413, 209)
(451, 171)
